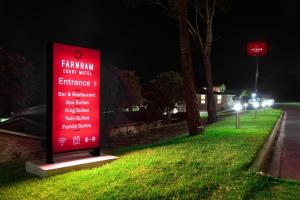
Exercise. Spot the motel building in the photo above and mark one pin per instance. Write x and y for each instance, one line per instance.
(224, 101)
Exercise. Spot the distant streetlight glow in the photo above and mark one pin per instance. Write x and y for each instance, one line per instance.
(175, 110)
(245, 106)
(255, 104)
(237, 107)
(253, 95)
(264, 105)
(270, 102)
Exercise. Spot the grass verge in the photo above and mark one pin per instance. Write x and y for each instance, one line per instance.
(214, 165)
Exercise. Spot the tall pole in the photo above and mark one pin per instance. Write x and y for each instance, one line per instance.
(256, 74)
(237, 119)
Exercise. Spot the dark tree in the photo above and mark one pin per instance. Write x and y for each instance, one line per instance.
(202, 34)
(179, 10)
(130, 90)
(204, 37)
(120, 89)
(192, 109)
(19, 83)
(164, 92)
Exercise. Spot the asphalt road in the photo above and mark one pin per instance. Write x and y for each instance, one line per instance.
(288, 144)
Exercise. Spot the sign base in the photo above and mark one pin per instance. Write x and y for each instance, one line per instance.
(64, 164)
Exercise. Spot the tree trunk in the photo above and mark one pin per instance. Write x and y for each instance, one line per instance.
(169, 115)
(192, 110)
(206, 51)
(211, 104)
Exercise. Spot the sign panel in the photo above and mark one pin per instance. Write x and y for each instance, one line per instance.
(257, 48)
(75, 98)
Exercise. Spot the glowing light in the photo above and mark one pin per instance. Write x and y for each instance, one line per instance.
(253, 95)
(255, 105)
(175, 110)
(245, 105)
(270, 102)
(237, 107)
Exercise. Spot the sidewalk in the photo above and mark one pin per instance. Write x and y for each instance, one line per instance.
(286, 157)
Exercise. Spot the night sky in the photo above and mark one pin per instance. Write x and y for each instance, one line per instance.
(146, 41)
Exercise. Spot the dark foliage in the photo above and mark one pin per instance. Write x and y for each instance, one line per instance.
(19, 83)
(164, 92)
(120, 89)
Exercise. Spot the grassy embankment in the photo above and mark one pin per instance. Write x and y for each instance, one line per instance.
(212, 165)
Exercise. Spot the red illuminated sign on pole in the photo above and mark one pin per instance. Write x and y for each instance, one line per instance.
(257, 48)
(75, 102)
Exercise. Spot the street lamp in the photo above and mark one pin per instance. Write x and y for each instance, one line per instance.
(245, 106)
(270, 102)
(237, 107)
(255, 105)
(264, 105)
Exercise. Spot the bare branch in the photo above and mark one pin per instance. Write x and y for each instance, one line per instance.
(168, 13)
(197, 27)
(206, 8)
(217, 38)
(213, 9)
(195, 34)
(198, 9)
(165, 9)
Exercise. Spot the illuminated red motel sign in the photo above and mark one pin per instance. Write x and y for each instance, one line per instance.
(257, 48)
(73, 99)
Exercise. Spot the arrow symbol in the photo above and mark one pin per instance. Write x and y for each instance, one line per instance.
(95, 83)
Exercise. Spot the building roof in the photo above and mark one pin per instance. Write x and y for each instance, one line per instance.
(31, 121)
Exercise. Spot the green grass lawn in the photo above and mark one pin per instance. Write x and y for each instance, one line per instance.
(214, 165)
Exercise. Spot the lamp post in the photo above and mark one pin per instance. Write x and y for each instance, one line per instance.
(270, 102)
(237, 107)
(255, 105)
(256, 74)
(264, 105)
(245, 106)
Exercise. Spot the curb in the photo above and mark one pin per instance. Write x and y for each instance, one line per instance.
(264, 153)
(274, 166)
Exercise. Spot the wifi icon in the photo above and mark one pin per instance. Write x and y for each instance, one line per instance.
(62, 141)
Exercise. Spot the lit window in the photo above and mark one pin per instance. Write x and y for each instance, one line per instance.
(216, 89)
(135, 109)
(202, 101)
(203, 97)
(219, 99)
